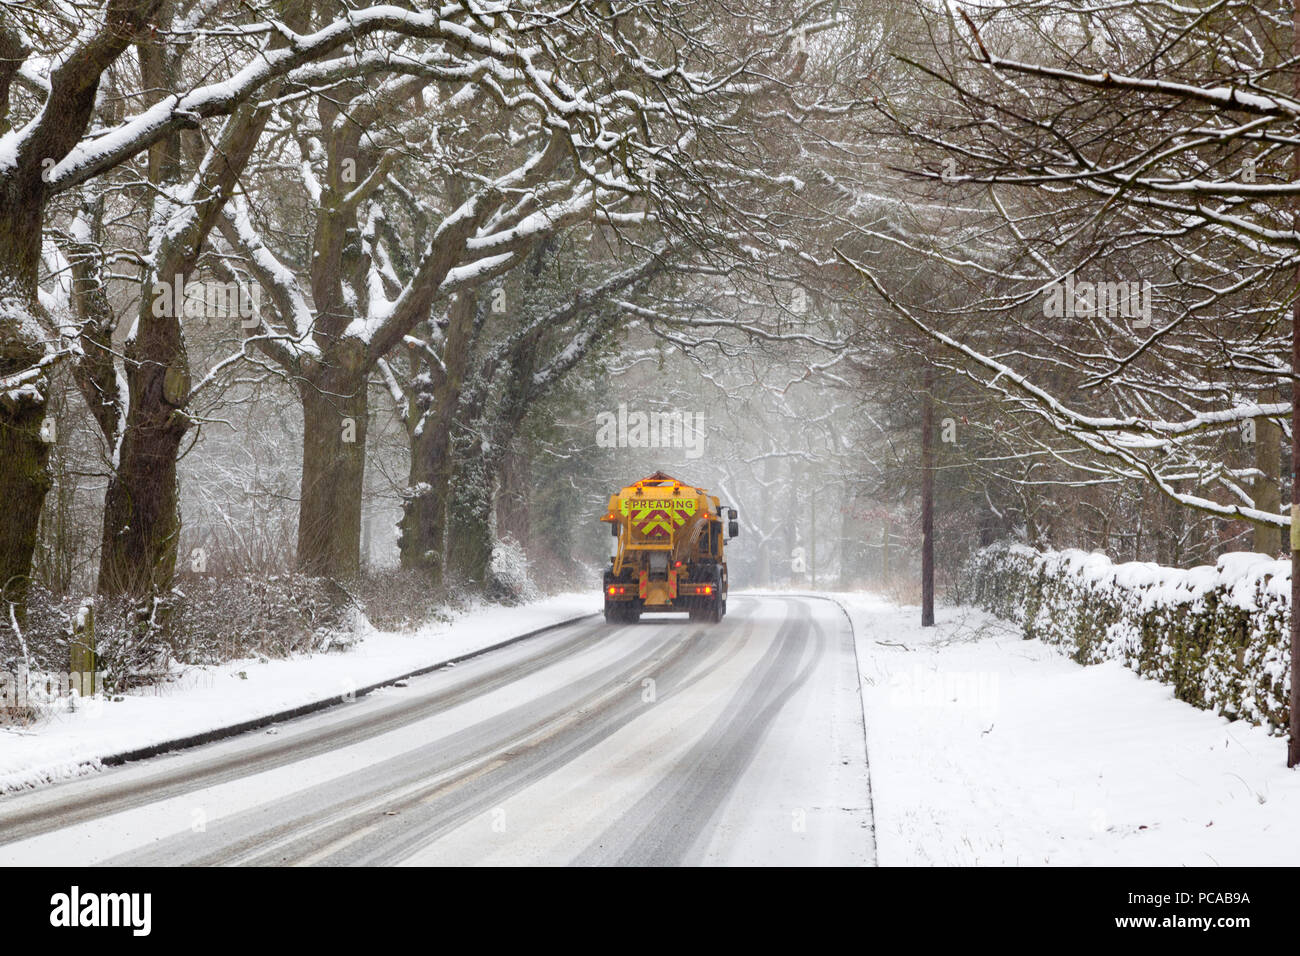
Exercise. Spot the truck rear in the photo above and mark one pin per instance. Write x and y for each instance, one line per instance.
(670, 554)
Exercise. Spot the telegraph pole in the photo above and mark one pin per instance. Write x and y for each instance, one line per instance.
(812, 557)
(1293, 743)
(927, 498)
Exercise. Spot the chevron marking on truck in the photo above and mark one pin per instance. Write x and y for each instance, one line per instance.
(657, 522)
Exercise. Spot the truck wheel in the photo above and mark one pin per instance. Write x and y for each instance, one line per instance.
(614, 614)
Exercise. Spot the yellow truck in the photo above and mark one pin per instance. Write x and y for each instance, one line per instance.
(670, 551)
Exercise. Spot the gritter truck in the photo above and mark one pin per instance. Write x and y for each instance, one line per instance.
(670, 551)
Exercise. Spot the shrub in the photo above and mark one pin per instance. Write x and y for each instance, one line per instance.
(508, 579)
(402, 600)
(204, 619)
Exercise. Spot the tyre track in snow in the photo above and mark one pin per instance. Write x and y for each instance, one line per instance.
(747, 724)
(518, 761)
(320, 736)
(429, 791)
(662, 829)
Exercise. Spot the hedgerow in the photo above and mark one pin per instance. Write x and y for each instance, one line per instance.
(1219, 636)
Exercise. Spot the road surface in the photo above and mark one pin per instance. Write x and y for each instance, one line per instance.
(658, 743)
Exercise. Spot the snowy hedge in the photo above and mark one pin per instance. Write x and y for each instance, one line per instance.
(1218, 635)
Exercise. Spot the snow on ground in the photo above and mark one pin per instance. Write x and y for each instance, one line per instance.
(208, 698)
(984, 748)
(988, 749)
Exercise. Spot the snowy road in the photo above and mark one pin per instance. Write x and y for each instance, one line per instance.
(664, 742)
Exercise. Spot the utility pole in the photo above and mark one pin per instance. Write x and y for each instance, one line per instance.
(927, 498)
(884, 553)
(1293, 743)
(812, 557)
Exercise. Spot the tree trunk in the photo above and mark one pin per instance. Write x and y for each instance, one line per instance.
(480, 457)
(514, 517)
(25, 476)
(470, 527)
(424, 509)
(142, 517)
(24, 481)
(927, 499)
(424, 512)
(333, 474)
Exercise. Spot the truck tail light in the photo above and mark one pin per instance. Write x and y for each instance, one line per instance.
(708, 589)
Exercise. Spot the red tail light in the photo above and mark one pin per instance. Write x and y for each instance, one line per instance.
(708, 589)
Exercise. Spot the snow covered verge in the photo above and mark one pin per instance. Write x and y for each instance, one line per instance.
(988, 749)
(201, 699)
(1217, 635)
